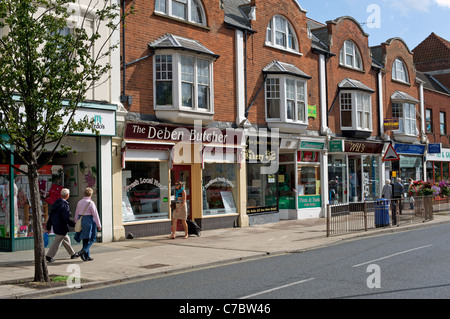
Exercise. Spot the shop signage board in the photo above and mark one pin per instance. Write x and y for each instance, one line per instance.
(411, 149)
(309, 201)
(173, 133)
(312, 145)
(336, 146)
(434, 148)
(391, 124)
(363, 147)
(443, 156)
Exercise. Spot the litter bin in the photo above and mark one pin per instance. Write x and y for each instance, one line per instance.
(381, 212)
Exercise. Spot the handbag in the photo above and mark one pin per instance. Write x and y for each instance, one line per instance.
(78, 226)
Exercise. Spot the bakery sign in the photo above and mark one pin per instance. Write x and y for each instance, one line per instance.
(171, 133)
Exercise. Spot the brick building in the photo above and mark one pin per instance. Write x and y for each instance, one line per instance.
(432, 60)
(304, 101)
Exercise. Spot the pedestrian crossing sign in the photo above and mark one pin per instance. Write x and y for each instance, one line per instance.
(391, 154)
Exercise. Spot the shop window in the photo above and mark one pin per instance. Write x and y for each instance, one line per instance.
(219, 189)
(280, 34)
(350, 56)
(406, 113)
(5, 202)
(286, 181)
(399, 72)
(308, 179)
(145, 195)
(337, 179)
(262, 193)
(429, 120)
(356, 111)
(188, 10)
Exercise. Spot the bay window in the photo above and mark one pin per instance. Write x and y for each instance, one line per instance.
(286, 99)
(183, 80)
(406, 114)
(356, 110)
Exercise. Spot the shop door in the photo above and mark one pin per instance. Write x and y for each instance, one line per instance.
(182, 173)
(354, 165)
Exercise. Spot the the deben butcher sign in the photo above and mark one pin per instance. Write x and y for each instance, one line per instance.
(169, 133)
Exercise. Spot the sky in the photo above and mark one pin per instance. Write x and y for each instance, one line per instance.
(411, 20)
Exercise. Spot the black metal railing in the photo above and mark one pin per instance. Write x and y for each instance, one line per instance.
(362, 216)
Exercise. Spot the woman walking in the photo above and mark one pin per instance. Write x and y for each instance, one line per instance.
(180, 211)
(90, 223)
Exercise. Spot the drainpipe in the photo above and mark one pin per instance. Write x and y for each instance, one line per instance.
(323, 95)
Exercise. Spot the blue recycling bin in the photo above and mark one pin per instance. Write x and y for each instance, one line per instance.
(381, 212)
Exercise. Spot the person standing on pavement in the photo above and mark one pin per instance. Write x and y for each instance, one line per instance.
(398, 192)
(180, 211)
(90, 223)
(387, 190)
(59, 219)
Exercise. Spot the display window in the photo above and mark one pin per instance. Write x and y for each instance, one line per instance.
(146, 193)
(337, 179)
(262, 191)
(74, 170)
(220, 189)
(5, 211)
(308, 179)
(286, 181)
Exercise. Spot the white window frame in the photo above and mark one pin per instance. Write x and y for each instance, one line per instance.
(350, 50)
(360, 108)
(166, 7)
(286, 31)
(407, 121)
(399, 71)
(297, 96)
(196, 79)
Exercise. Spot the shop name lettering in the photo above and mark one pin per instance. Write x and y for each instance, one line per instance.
(98, 123)
(181, 134)
(266, 157)
(357, 147)
(146, 181)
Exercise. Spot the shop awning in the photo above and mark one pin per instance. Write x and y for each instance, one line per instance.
(143, 150)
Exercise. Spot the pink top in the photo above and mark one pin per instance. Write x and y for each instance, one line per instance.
(91, 210)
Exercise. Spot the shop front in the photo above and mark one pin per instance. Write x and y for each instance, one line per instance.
(438, 165)
(87, 165)
(410, 165)
(154, 156)
(354, 171)
(300, 180)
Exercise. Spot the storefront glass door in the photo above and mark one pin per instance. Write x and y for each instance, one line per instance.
(354, 166)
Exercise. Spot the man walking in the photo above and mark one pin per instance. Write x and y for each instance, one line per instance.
(60, 220)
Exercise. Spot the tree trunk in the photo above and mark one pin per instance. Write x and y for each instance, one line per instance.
(40, 265)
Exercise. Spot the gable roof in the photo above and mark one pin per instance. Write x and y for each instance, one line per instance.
(277, 67)
(351, 84)
(432, 49)
(170, 41)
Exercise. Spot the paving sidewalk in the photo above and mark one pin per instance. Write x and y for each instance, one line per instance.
(158, 255)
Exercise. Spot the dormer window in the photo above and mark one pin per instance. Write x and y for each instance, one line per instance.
(188, 10)
(280, 34)
(350, 56)
(399, 72)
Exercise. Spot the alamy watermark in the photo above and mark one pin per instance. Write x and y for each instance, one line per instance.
(374, 19)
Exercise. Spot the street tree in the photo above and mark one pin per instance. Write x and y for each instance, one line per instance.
(49, 60)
